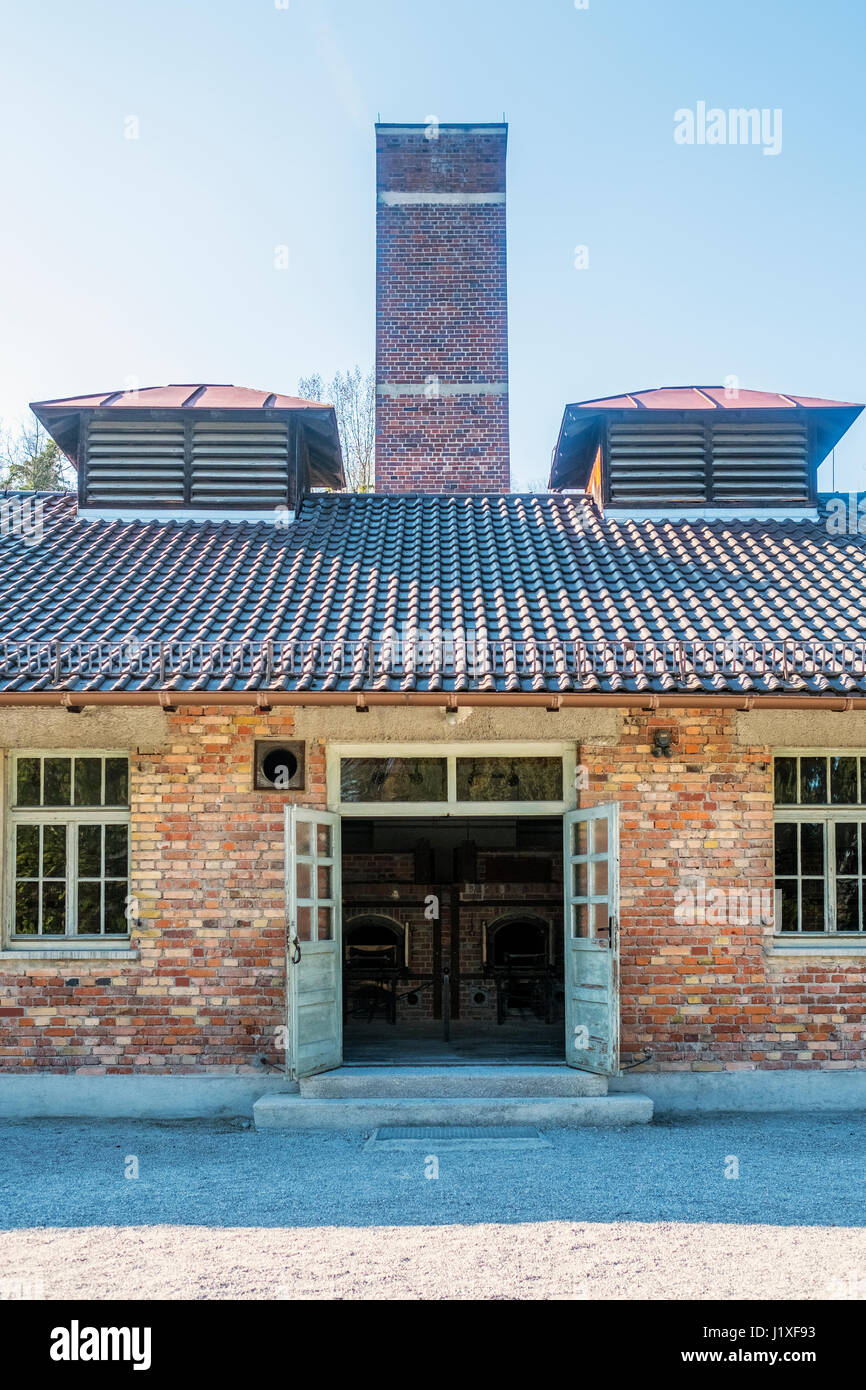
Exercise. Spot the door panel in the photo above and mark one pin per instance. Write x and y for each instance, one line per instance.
(315, 977)
(591, 864)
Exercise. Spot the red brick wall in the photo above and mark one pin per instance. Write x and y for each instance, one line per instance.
(441, 312)
(706, 997)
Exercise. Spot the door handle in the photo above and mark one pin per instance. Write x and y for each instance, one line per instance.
(296, 951)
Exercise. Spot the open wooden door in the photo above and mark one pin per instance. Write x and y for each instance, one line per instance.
(591, 864)
(315, 976)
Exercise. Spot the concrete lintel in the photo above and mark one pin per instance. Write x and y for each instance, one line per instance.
(443, 388)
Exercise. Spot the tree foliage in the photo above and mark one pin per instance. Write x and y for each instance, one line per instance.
(30, 460)
(353, 396)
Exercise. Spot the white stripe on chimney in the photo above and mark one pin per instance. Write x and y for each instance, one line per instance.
(443, 388)
(416, 199)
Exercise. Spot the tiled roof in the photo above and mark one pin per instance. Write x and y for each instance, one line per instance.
(708, 398)
(510, 592)
(203, 396)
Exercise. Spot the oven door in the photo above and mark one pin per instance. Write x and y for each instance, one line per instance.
(314, 947)
(591, 863)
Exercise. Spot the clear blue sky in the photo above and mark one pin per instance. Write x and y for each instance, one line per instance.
(153, 259)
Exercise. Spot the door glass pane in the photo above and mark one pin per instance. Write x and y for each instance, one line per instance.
(116, 781)
(785, 780)
(847, 904)
(89, 908)
(324, 881)
(393, 779)
(323, 841)
(27, 851)
(599, 876)
(601, 923)
(115, 909)
(580, 881)
(54, 851)
(58, 782)
(812, 849)
(303, 880)
(846, 847)
(326, 924)
(27, 909)
(813, 781)
(580, 838)
(89, 851)
(812, 904)
(303, 837)
(509, 779)
(786, 848)
(843, 781)
(580, 920)
(88, 781)
(27, 782)
(116, 851)
(304, 923)
(53, 909)
(599, 836)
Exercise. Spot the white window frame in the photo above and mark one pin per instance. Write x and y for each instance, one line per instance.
(449, 753)
(828, 815)
(58, 815)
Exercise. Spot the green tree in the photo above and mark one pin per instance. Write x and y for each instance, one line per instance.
(353, 396)
(30, 460)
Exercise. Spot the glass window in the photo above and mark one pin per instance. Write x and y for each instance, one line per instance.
(393, 779)
(71, 862)
(509, 779)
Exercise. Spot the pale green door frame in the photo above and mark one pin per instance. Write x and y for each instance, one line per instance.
(314, 991)
(591, 868)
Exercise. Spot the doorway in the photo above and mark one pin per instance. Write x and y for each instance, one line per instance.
(453, 940)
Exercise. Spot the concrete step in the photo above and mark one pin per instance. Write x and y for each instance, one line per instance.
(400, 1083)
(297, 1112)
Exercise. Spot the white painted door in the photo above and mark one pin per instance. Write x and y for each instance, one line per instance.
(591, 864)
(315, 1016)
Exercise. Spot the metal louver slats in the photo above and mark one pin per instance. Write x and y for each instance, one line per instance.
(763, 460)
(657, 462)
(134, 460)
(240, 463)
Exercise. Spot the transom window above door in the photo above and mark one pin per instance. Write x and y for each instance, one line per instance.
(68, 847)
(495, 776)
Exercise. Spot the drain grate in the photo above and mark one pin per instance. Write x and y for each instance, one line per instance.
(457, 1136)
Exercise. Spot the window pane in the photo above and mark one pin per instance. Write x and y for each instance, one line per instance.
(326, 925)
(303, 881)
(88, 781)
(27, 909)
(58, 782)
(785, 777)
(303, 838)
(599, 877)
(393, 779)
(89, 851)
(790, 915)
(54, 851)
(53, 909)
(116, 856)
(847, 904)
(786, 848)
(843, 781)
(580, 920)
(115, 909)
(89, 910)
(27, 780)
(305, 923)
(580, 880)
(323, 841)
(599, 836)
(116, 781)
(813, 904)
(813, 781)
(812, 849)
(27, 851)
(324, 881)
(509, 779)
(846, 847)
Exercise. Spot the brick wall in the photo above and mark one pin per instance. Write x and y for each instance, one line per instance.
(441, 310)
(713, 996)
(208, 991)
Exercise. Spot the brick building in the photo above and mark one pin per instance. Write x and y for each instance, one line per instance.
(443, 773)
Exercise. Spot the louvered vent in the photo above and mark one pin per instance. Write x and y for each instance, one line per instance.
(657, 462)
(134, 461)
(240, 464)
(754, 461)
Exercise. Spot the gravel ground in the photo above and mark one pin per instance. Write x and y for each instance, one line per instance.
(218, 1211)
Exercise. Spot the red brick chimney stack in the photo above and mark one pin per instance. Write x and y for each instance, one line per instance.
(441, 309)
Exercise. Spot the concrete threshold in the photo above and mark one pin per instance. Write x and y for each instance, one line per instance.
(287, 1112)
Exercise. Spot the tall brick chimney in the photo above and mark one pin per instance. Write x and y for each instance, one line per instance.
(441, 309)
